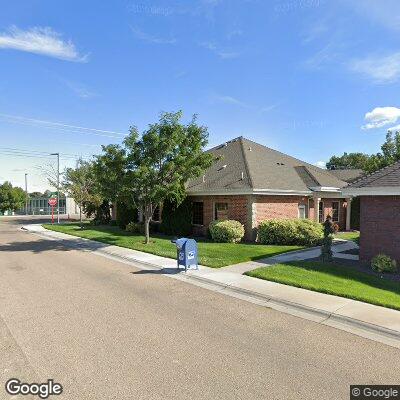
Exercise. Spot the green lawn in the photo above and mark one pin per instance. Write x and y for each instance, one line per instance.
(334, 279)
(211, 254)
(354, 236)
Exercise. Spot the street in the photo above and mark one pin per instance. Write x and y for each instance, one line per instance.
(106, 330)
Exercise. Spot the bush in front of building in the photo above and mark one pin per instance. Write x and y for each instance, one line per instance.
(126, 213)
(135, 227)
(301, 232)
(383, 263)
(226, 231)
(176, 220)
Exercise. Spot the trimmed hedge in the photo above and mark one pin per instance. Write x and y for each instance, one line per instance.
(228, 231)
(383, 263)
(301, 232)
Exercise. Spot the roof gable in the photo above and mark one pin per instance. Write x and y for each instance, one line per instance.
(385, 177)
(247, 165)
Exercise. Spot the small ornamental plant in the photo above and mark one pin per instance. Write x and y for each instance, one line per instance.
(227, 231)
(383, 263)
(326, 249)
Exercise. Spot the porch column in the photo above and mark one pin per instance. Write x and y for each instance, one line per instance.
(316, 207)
(348, 214)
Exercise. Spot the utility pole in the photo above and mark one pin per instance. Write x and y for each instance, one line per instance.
(26, 194)
(58, 185)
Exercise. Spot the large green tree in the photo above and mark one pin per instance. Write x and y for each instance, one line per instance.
(81, 184)
(349, 161)
(11, 198)
(156, 165)
(390, 153)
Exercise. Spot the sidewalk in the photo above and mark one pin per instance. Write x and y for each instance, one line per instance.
(366, 320)
(337, 249)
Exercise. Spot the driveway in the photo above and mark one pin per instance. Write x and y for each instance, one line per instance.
(106, 330)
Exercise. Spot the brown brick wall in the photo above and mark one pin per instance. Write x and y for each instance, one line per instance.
(237, 210)
(264, 207)
(328, 210)
(278, 207)
(379, 227)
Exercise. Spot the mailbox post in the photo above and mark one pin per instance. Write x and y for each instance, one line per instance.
(186, 253)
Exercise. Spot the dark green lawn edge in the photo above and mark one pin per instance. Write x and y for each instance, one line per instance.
(358, 276)
(121, 233)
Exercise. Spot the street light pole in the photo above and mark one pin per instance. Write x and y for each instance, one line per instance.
(58, 185)
(26, 194)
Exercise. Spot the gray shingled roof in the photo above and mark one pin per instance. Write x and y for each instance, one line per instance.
(347, 175)
(385, 177)
(244, 164)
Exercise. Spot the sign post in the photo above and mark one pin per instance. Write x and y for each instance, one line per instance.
(52, 202)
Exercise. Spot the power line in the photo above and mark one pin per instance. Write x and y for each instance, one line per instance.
(59, 125)
(35, 153)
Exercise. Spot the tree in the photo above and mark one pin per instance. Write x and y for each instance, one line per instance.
(348, 161)
(326, 249)
(80, 183)
(11, 198)
(158, 165)
(390, 153)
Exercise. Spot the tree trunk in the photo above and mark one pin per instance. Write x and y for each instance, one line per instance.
(80, 215)
(147, 228)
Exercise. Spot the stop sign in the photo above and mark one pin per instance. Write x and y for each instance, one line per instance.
(52, 201)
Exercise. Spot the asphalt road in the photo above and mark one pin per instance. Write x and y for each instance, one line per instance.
(105, 330)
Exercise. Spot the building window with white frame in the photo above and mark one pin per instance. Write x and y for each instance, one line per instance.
(302, 211)
(335, 211)
(321, 213)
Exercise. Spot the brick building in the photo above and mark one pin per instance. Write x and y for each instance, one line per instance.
(251, 183)
(379, 195)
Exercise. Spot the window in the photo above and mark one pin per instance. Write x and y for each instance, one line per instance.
(302, 211)
(197, 210)
(335, 211)
(321, 212)
(221, 211)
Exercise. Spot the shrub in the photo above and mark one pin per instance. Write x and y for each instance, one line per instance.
(228, 231)
(302, 232)
(176, 220)
(135, 227)
(126, 213)
(383, 263)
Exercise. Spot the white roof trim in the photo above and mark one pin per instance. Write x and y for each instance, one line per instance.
(373, 191)
(325, 189)
(233, 192)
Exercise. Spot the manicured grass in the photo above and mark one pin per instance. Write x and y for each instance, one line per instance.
(211, 254)
(333, 279)
(354, 236)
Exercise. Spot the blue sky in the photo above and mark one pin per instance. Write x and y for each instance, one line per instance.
(311, 78)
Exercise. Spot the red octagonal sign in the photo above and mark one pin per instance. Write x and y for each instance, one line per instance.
(52, 201)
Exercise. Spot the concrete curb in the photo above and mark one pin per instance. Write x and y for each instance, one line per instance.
(353, 325)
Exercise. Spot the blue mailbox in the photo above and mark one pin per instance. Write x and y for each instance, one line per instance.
(186, 253)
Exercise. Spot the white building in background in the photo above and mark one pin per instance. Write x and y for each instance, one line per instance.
(40, 206)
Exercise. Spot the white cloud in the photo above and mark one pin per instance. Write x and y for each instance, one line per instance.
(80, 90)
(224, 99)
(152, 39)
(381, 116)
(220, 52)
(230, 100)
(321, 164)
(381, 69)
(43, 41)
